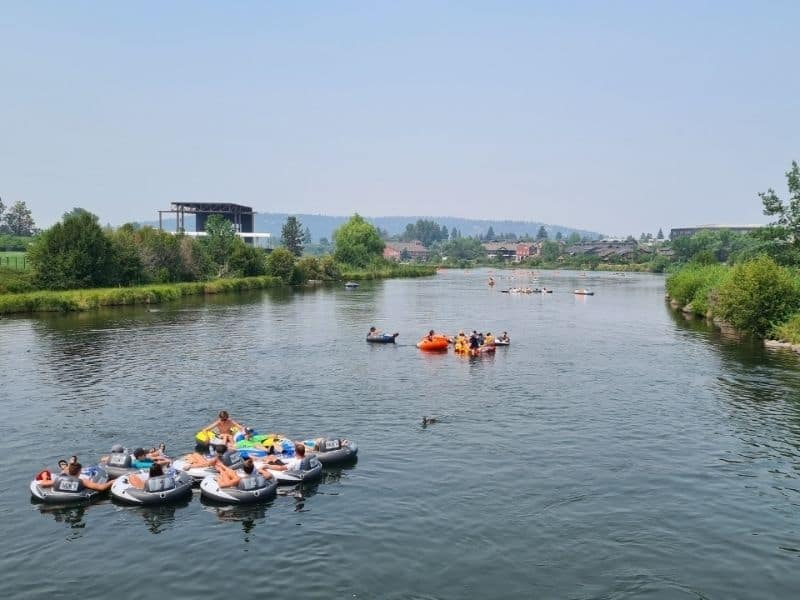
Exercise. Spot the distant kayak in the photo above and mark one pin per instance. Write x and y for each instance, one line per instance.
(584, 293)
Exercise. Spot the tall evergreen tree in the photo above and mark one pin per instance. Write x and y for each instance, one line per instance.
(490, 234)
(660, 234)
(541, 234)
(292, 236)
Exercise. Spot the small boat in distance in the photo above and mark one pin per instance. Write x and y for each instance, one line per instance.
(584, 292)
(351, 285)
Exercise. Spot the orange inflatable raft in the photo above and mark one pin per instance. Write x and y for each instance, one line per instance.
(439, 343)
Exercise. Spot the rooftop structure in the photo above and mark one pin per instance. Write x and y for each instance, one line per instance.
(241, 216)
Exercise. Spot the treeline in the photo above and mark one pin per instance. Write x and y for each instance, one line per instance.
(751, 282)
(77, 253)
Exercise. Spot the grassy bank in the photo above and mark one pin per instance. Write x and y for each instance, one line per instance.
(78, 300)
(757, 296)
(385, 271)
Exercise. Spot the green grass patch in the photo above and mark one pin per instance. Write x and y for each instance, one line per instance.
(788, 331)
(385, 271)
(81, 300)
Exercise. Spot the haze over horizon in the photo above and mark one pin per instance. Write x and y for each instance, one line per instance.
(620, 118)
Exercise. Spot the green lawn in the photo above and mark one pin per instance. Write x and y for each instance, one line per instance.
(13, 260)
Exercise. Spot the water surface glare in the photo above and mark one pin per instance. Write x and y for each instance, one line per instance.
(615, 450)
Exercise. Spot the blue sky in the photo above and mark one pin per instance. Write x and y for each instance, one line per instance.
(620, 117)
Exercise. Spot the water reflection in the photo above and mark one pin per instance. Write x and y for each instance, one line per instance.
(71, 515)
(158, 519)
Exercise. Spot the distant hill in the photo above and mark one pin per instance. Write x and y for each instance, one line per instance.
(324, 225)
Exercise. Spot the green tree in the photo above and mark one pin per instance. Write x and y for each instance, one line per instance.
(550, 250)
(128, 263)
(559, 236)
(19, 220)
(292, 236)
(357, 243)
(74, 253)
(246, 260)
(660, 235)
(220, 239)
(490, 234)
(758, 295)
(426, 231)
(464, 248)
(541, 234)
(787, 225)
(280, 263)
(307, 239)
(573, 238)
(2, 220)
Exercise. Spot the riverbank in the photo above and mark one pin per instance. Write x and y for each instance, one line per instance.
(756, 297)
(93, 298)
(89, 299)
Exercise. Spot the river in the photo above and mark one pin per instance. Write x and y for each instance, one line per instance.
(615, 450)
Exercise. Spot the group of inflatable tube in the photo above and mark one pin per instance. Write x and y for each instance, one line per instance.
(178, 479)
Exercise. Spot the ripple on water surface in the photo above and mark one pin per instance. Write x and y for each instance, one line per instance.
(615, 450)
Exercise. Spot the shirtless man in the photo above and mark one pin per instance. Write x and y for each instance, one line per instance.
(74, 470)
(224, 425)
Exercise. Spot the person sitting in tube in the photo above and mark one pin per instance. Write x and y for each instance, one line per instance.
(199, 458)
(248, 442)
(504, 337)
(142, 461)
(289, 464)
(74, 470)
(224, 426)
(488, 340)
(374, 331)
(230, 478)
(156, 470)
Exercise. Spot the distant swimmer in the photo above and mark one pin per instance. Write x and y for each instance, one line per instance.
(429, 421)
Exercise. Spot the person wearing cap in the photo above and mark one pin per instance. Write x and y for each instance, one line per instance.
(142, 461)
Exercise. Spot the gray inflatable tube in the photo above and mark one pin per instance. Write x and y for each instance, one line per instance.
(310, 470)
(333, 452)
(69, 490)
(250, 490)
(157, 490)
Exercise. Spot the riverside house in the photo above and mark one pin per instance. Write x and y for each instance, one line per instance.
(401, 251)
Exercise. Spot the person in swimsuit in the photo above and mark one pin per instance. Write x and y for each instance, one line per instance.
(224, 426)
(230, 478)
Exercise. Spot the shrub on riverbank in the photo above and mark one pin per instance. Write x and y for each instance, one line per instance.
(788, 331)
(693, 285)
(78, 300)
(758, 296)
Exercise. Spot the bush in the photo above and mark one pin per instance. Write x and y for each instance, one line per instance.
(14, 281)
(758, 296)
(357, 242)
(693, 284)
(788, 331)
(247, 260)
(280, 264)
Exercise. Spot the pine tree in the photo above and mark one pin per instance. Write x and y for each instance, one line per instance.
(292, 236)
(542, 234)
(660, 234)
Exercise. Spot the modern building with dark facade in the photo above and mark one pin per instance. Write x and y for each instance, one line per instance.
(241, 216)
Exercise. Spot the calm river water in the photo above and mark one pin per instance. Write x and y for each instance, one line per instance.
(613, 451)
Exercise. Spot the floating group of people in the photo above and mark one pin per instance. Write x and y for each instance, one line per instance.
(474, 344)
(225, 450)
